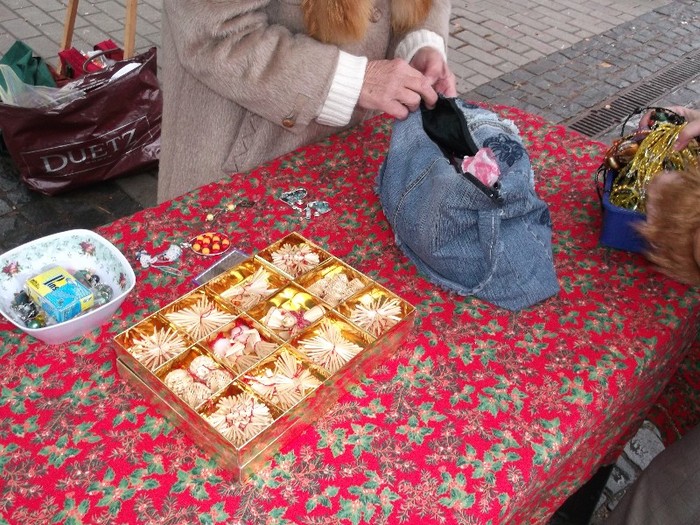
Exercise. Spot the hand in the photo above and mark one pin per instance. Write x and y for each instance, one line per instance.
(431, 63)
(393, 86)
(689, 131)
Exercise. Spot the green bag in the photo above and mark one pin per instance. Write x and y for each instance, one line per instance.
(30, 69)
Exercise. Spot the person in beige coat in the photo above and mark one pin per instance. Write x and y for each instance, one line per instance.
(245, 81)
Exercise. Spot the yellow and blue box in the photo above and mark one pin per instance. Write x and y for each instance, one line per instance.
(60, 295)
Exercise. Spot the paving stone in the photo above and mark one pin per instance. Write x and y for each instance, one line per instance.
(643, 447)
(4, 207)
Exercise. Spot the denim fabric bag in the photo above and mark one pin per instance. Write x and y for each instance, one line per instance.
(492, 243)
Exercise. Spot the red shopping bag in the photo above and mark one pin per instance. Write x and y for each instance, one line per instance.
(111, 129)
(75, 64)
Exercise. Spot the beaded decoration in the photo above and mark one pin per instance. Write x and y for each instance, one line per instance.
(654, 154)
(295, 259)
(329, 348)
(155, 349)
(200, 319)
(287, 384)
(378, 316)
(240, 418)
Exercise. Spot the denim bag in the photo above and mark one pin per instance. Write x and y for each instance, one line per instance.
(490, 242)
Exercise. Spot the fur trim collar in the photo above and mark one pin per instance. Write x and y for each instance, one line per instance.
(345, 21)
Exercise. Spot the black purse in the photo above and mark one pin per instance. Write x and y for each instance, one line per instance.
(447, 126)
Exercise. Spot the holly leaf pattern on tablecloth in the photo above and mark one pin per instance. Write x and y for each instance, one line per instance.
(479, 416)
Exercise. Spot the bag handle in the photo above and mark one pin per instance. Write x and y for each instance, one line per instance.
(69, 28)
(104, 52)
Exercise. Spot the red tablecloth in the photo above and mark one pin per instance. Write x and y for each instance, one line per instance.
(482, 416)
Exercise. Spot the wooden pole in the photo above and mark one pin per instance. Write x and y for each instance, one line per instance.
(130, 28)
(68, 28)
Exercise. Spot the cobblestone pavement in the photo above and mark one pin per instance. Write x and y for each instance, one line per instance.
(564, 60)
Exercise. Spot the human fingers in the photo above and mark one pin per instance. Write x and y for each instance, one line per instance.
(687, 113)
(431, 63)
(447, 85)
(689, 132)
(690, 115)
(644, 121)
(394, 87)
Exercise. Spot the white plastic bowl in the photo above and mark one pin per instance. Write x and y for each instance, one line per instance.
(74, 250)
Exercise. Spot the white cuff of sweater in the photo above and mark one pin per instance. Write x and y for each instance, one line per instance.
(345, 90)
(413, 41)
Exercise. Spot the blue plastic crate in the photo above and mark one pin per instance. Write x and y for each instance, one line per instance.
(617, 230)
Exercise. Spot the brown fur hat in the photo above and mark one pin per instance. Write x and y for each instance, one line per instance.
(345, 21)
(672, 228)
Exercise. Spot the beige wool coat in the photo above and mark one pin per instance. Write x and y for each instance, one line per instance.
(243, 83)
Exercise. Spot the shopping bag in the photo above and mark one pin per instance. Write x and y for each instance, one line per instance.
(112, 130)
(493, 242)
(75, 64)
(30, 68)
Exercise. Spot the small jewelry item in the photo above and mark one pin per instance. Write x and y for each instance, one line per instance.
(294, 198)
(25, 308)
(102, 293)
(163, 260)
(378, 315)
(200, 319)
(240, 418)
(316, 208)
(212, 216)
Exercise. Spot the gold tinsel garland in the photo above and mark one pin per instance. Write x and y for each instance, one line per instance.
(654, 155)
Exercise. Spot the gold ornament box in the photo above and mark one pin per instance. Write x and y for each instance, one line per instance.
(247, 361)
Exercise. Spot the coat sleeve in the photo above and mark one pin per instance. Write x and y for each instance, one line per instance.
(231, 48)
(434, 32)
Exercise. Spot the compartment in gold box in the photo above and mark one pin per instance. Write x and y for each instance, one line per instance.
(376, 310)
(294, 255)
(247, 284)
(238, 414)
(153, 342)
(198, 314)
(331, 343)
(194, 376)
(288, 312)
(284, 379)
(241, 344)
(333, 281)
